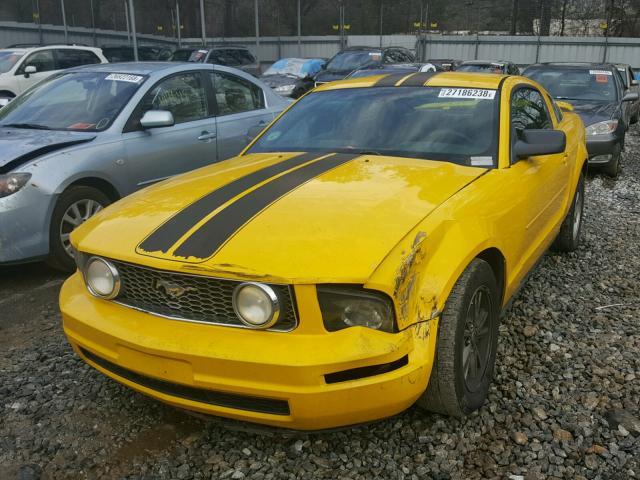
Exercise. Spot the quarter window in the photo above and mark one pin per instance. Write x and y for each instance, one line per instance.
(42, 60)
(235, 94)
(183, 95)
(528, 111)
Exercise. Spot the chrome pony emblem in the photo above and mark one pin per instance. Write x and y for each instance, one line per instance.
(172, 290)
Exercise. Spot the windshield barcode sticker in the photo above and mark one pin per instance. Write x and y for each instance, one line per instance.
(123, 77)
(475, 93)
(600, 72)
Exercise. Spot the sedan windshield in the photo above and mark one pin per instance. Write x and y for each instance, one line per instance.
(8, 59)
(450, 124)
(80, 101)
(576, 84)
(348, 61)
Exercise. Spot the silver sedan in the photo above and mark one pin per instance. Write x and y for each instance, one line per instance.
(91, 135)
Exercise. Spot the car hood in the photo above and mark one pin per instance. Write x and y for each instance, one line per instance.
(20, 145)
(279, 80)
(592, 112)
(333, 218)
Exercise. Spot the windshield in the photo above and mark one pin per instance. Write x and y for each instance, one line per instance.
(296, 67)
(450, 124)
(8, 59)
(79, 101)
(480, 67)
(181, 55)
(576, 84)
(348, 61)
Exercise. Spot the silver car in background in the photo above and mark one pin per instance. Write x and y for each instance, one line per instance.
(88, 136)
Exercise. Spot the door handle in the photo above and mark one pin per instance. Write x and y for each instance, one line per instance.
(206, 136)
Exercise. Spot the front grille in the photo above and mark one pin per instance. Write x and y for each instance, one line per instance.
(212, 397)
(204, 299)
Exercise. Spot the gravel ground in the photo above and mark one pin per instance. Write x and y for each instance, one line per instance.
(564, 403)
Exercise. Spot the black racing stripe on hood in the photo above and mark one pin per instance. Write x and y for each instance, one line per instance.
(390, 80)
(165, 236)
(418, 79)
(211, 236)
(21, 160)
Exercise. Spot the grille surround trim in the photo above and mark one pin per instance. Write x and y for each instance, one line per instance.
(237, 323)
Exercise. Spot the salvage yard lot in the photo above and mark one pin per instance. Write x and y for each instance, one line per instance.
(564, 402)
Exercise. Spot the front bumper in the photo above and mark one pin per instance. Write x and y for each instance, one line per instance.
(307, 379)
(24, 225)
(602, 147)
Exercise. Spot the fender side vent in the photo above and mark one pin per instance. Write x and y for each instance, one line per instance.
(368, 371)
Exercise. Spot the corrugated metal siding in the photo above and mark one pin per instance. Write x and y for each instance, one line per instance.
(519, 49)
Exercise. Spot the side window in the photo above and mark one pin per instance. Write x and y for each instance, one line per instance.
(528, 111)
(42, 60)
(183, 95)
(235, 94)
(391, 56)
(409, 56)
(69, 58)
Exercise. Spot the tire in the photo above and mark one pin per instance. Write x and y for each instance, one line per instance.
(450, 391)
(634, 119)
(612, 168)
(88, 202)
(569, 237)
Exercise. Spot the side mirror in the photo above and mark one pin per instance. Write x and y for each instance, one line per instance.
(630, 97)
(29, 70)
(4, 101)
(635, 83)
(157, 119)
(539, 142)
(253, 132)
(565, 106)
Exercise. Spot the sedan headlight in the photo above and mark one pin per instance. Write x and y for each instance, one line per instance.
(256, 305)
(285, 88)
(12, 182)
(102, 278)
(602, 128)
(344, 307)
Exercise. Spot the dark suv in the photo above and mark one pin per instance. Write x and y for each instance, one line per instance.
(596, 92)
(236, 56)
(360, 58)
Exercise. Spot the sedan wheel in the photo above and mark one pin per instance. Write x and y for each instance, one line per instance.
(77, 213)
(74, 207)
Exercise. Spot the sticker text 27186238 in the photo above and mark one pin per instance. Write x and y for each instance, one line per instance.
(475, 93)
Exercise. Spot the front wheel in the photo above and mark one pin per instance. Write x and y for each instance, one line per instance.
(75, 206)
(466, 345)
(568, 238)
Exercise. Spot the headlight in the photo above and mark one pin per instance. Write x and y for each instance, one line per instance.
(256, 305)
(602, 128)
(344, 307)
(12, 182)
(285, 88)
(102, 278)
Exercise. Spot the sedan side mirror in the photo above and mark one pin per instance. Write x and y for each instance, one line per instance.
(539, 142)
(630, 97)
(157, 119)
(29, 70)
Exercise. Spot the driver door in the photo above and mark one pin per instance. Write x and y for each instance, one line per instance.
(541, 181)
(155, 154)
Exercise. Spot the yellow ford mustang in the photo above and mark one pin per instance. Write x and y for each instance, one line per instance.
(352, 261)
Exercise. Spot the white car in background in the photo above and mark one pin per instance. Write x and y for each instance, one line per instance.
(21, 68)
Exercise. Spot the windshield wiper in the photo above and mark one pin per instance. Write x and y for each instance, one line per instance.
(362, 151)
(33, 126)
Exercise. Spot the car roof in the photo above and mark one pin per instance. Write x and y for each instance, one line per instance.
(141, 68)
(440, 79)
(573, 65)
(485, 62)
(25, 49)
